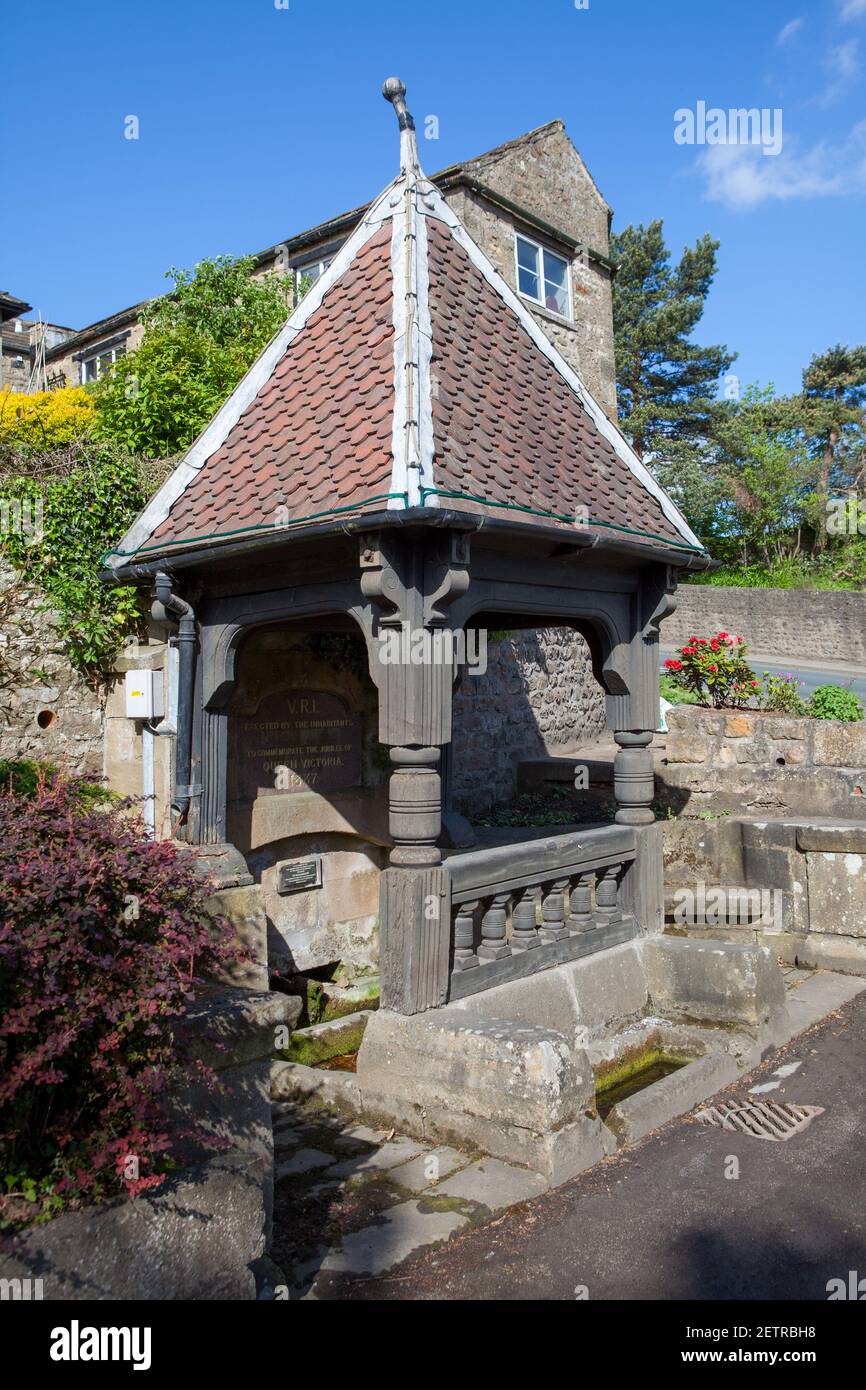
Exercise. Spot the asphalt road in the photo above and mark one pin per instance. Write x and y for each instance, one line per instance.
(666, 1221)
(811, 674)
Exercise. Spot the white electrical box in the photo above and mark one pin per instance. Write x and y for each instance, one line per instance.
(144, 695)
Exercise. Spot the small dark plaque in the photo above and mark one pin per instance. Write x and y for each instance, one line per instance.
(297, 741)
(297, 874)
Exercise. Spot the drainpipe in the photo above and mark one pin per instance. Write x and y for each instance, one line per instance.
(169, 607)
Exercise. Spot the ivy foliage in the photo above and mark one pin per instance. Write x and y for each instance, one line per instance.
(198, 342)
(72, 505)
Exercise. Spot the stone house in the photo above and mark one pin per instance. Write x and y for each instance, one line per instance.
(22, 342)
(532, 206)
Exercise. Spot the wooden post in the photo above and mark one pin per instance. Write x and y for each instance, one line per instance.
(414, 899)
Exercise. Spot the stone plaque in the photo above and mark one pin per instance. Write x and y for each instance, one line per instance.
(297, 741)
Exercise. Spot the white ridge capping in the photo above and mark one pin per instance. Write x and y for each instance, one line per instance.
(216, 432)
(399, 318)
(418, 348)
(434, 205)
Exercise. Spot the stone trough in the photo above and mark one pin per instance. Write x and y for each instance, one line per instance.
(514, 1071)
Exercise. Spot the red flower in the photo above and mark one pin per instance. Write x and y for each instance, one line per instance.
(712, 668)
(674, 665)
(720, 635)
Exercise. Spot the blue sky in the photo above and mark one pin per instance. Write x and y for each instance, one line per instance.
(258, 121)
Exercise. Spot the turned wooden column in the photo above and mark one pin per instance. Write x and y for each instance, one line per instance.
(415, 907)
(494, 925)
(415, 806)
(580, 916)
(464, 937)
(633, 778)
(553, 926)
(607, 908)
(524, 936)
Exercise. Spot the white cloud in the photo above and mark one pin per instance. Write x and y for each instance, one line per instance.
(853, 9)
(742, 178)
(842, 61)
(790, 29)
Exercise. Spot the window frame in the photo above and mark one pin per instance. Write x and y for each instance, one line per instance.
(115, 352)
(302, 268)
(541, 251)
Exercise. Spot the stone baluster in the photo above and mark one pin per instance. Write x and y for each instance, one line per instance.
(525, 934)
(553, 911)
(493, 926)
(464, 937)
(607, 895)
(580, 917)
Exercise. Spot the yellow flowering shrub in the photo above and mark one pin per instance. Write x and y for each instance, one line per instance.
(45, 419)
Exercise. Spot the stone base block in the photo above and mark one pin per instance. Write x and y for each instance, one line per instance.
(717, 982)
(494, 1069)
(242, 907)
(846, 954)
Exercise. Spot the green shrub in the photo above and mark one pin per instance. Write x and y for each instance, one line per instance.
(781, 695)
(198, 342)
(835, 702)
(23, 777)
(676, 694)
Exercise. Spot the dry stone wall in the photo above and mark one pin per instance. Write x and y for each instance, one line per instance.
(48, 713)
(812, 624)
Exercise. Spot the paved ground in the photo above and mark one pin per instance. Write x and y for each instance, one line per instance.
(367, 1214)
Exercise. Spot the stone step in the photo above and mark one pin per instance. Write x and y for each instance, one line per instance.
(718, 905)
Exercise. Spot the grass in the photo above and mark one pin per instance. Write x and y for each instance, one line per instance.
(832, 571)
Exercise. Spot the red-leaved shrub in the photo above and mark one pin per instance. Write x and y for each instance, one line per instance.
(103, 941)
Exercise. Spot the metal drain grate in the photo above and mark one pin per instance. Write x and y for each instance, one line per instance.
(761, 1119)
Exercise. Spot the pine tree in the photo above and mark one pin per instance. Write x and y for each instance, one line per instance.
(667, 385)
(834, 421)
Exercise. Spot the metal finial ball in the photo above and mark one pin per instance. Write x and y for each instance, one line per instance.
(393, 89)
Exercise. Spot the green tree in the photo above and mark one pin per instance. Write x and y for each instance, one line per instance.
(766, 480)
(667, 385)
(834, 420)
(198, 342)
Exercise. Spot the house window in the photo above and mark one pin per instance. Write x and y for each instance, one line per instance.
(310, 270)
(543, 276)
(92, 368)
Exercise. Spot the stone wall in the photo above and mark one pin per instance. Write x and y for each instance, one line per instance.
(811, 876)
(812, 624)
(752, 763)
(50, 713)
(537, 696)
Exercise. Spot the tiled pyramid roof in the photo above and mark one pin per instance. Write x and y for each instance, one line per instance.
(410, 375)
